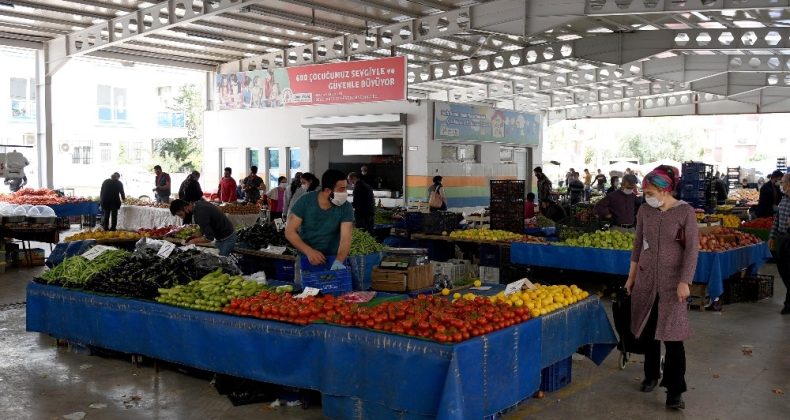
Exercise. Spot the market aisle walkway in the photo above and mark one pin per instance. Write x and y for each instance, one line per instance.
(739, 367)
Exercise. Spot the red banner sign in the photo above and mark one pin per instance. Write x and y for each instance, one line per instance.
(335, 83)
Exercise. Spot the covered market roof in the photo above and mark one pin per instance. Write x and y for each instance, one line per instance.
(567, 58)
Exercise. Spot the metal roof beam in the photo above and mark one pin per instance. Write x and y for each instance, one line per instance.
(626, 7)
(156, 18)
(385, 37)
(56, 9)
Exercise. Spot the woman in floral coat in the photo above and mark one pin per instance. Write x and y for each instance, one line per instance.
(663, 263)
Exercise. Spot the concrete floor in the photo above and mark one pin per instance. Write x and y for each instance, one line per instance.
(41, 381)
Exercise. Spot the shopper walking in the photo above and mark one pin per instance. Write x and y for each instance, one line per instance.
(214, 224)
(111, 197)
(600, 181)
(779, 239)
(277, 198)
(663, 262)
(544, 185)
(161, 185)
(252, 186)
(587, 184)
(620, 206)
(227, 187)
(364, 203)
(190, 189)
(437, 199)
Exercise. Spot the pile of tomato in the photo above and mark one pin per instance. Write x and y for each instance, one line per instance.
(763, 223)
(39, 197)
(156, 232)
(430, 317)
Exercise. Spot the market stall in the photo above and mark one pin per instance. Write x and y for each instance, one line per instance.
(63, 206)
(371, 374)
(132, 217)
(713, 268)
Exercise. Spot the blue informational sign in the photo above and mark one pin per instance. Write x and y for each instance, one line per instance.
(462, 122)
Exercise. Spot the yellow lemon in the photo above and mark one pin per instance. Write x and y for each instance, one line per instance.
(445, 291)
(457, 296)
(534, 313)
(478, 283)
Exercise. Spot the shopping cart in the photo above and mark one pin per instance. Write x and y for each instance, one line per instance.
(628, 343)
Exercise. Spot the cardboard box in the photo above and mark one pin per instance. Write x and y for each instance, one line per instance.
(413, 278)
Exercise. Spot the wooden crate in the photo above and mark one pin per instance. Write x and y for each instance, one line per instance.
(413, 278)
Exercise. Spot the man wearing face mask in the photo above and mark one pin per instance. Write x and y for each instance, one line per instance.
(321, 222)
(620, 206)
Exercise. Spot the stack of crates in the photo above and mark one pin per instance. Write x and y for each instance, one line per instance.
(696, 186)
(507, 205)
(781, 164)
(733, 177)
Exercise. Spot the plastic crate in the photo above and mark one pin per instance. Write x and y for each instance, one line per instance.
(284, 270)
(414, 221)
(439, 222)
(321, 277)
(751, 288)
(507, 189)
(489, 255)
(556, 376)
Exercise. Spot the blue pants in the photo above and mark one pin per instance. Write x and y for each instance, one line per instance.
(226, 246)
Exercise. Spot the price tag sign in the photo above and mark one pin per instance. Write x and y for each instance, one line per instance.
(308, 291)
(279, 250)
(97, 250)
(514, 287)
(279, 224)
(481, 288)
(529, 284)
(166, 249)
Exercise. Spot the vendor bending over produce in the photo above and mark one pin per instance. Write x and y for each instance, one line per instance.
(321, 222)
(212, 221)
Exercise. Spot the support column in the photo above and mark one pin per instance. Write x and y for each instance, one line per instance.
(44, 120)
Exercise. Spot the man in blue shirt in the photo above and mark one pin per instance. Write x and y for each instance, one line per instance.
(321, 222)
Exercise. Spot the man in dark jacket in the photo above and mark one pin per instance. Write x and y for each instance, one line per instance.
(551, 210)
(111, 197)
(364, 203)
(620, 206)
(770, 195)
(190, 189)
(544, 185)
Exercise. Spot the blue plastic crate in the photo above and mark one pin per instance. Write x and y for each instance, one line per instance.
(321, 277)
(284, 270)
(556, 376)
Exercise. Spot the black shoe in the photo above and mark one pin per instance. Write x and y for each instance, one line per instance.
(648, 385)
(675, 402)
(786, 310)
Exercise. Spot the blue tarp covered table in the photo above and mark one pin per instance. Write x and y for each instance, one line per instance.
(712, 267)
(361, 374)
(89, 208)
